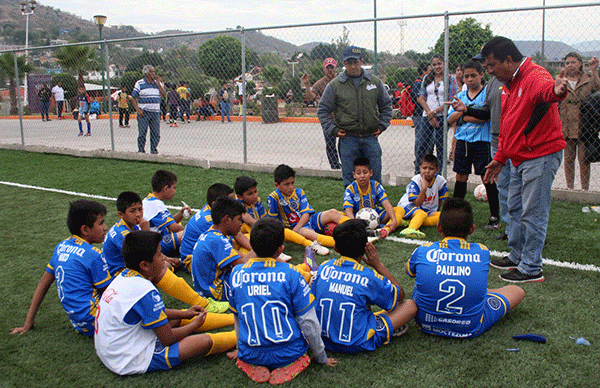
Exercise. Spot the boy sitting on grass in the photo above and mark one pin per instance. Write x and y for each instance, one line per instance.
(451, 278)
(80, 271)
(345, 289)
(247, 193)
(290, 206)
(423, 196)
(134, 332)
(279, 339)
(164, 186)
(366, 192)
(131, 211)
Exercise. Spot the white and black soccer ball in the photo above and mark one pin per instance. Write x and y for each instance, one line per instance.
(480, 193)
(370, 216)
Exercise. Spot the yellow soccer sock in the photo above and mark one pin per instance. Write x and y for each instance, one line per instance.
(290, 235)
(417, 220)
(246, 229)
(179, 289)
(343, 219)
(304, 270)
(399, 213)
(326, 241)
(222, 342)
(213, 321)
(432, 220)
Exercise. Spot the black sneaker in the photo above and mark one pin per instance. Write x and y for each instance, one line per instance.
(371, 233)
(516, 276)
(493, 224)
(501, 237)
(503, 263)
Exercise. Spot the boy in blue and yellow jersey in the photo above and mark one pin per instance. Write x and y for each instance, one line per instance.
(131, 211)
(344, 289)
(280, 339)
(80, 271)
(289, 205)
(423, 196)
(247, 193)
(366, 192)
(164, 186)
(451, 278)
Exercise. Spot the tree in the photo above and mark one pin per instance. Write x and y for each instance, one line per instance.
(130, 78)
(7, 68)
(78, 59)
(466, 39)
(323, 51)
(221, 57)
(272, 74)
(145, 58)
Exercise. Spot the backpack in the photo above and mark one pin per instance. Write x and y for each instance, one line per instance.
(406, 104)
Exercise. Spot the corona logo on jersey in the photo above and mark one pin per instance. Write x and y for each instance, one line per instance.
(437, 255)
(330, 273)
(241, 277)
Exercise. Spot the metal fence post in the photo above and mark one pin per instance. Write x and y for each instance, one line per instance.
(108, 94)
(19, 104)
(244, 133)
(446, 90)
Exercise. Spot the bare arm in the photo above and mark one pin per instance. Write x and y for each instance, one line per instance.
(169, 336)
(38, 296)
(421, 197)
(243, 240)
(303, 220)
(372, 259)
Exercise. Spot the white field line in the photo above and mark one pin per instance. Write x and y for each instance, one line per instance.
(563, 264)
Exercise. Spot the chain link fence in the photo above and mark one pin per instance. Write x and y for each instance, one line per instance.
(277, 122)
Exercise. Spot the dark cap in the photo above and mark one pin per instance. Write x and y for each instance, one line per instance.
(351, 52)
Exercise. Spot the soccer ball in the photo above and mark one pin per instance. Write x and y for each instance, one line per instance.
(370, 216)
(329, 227)
(480, 193)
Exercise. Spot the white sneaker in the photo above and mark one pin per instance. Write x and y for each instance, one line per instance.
(285, 258)
(319, 249)
(372, 239)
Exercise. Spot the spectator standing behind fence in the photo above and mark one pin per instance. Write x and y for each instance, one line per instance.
(580, 85)
(531, 137)
(184, 101)
(44, 94)
(314, 93)
(123, 103)
(173, 103)
(356, 108)
(146, 97)
(418, 117)
(59, 96)
(432, 100)
(225, 97)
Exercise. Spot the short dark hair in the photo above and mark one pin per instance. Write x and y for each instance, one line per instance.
(430, 158)
(83, 212)
(225, 206)
(283, 172)
(473, 65)
(138, 246)
(266, 236)
(162, 178)
(423, 66)
(501, 47)
(243, 184)
(456, 217)
(215, 191)
(351, 238)
(362, 161)
(126, 199)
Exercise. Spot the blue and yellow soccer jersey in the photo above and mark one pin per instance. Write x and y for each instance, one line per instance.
(288, 209)
(113, 243)
(355, 199)
(79, 270)
(436, 192)
(257, 211)
(267, 296)
(343, 289)
(450, 286)
(157, 214)
(196, 226)
(211, 258)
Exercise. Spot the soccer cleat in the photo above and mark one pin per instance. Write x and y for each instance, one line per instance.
(287, 373)
(412, 233)
(175, 125)
(503, 263)
(285, 258)
(516, 276)
(319, 249)
(372, 239)
(400, 331)
(216, 307)
(88, 134)
(405, 223)
(309, 259)
(80, 134)
(501, 237)
(258, 374)
(493, 224)
(382, 233)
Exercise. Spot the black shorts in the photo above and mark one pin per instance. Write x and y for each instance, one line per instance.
(475, 154)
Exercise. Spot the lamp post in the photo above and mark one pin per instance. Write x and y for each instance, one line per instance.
(27, 8)
(100, 20)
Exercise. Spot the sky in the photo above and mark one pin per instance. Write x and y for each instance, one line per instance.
(153, 16)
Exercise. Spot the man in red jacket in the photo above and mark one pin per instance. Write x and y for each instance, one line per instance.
(531, 137)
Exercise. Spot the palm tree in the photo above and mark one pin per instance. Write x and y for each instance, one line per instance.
(7, 68)
(78, 59)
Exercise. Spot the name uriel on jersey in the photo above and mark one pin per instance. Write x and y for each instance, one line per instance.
(437, 255)
(241, 278)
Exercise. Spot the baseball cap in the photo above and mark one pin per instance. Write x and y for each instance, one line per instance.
(352, 52)
(329, 61)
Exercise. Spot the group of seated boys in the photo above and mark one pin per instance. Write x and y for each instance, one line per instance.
(233, 248)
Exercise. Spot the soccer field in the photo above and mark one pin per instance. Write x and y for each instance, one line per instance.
(35, 190)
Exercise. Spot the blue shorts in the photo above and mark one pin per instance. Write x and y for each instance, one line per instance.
(169, 245)
(496, 306)
(165, 357)
(315, 223)
(382, 336)
(476, 154)
(85, 327)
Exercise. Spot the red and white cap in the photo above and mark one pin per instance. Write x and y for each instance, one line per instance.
(329, 61)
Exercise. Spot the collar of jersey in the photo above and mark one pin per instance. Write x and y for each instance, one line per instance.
(261, 259)
(454, 238)
(346, 258)
(78, 239)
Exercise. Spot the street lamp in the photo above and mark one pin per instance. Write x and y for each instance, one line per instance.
(100, 20)
(27, 8)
